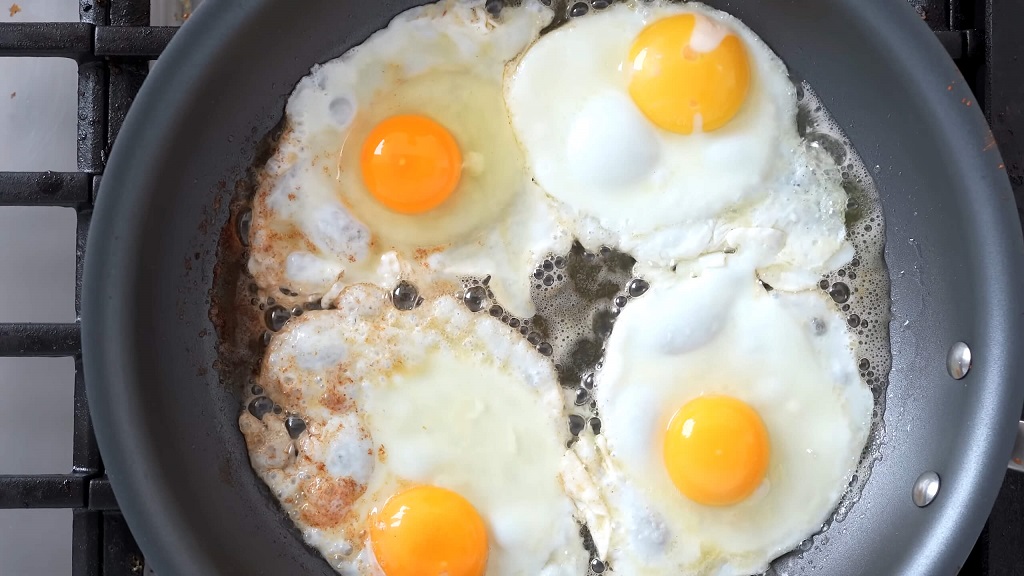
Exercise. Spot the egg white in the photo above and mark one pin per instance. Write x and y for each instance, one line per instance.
(434, 396)
(711, 328)
(665, 197)
(316, 228)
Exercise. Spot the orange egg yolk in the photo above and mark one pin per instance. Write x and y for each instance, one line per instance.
(716, 450)
(411, 164)
(688, 74)
(428, 531)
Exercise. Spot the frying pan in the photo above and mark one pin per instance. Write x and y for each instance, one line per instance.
(166, 419)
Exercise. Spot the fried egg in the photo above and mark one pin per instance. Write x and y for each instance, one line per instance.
(398, 161)
(414, 421)
(732, 421)
(660, 127)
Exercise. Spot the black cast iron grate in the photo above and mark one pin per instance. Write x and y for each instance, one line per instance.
(113, 44)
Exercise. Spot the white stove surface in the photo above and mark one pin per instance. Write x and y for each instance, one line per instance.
(38, 111)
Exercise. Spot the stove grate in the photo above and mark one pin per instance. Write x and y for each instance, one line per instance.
(112, 45)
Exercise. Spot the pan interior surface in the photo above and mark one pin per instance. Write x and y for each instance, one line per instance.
(167, 423)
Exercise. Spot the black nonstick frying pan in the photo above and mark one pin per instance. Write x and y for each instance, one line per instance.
(167, 422)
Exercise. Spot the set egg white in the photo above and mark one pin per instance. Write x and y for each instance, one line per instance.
(713, 330)
(394, 399)
(661, 196)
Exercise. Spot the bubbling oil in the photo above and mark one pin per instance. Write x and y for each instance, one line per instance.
(579, 296)
(860, 291)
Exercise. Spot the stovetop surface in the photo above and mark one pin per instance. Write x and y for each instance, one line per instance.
(112, 46)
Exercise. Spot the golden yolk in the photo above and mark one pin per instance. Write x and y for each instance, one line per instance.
(716, 450)
(411, 164)
(427, 531)
(688, 74)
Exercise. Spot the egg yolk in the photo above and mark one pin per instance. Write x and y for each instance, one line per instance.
(716, 450)
(427, 531)
(411, 164)
(688, 74)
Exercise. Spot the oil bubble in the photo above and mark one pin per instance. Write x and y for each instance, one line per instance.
(638, 287)
(475, 298)
(405, 296)
(295, 426)
(276, 317)
(576, 424)
(261, 406)
(840, 292)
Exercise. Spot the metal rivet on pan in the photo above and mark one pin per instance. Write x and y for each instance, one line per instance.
(926, 488)
(958, 362)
